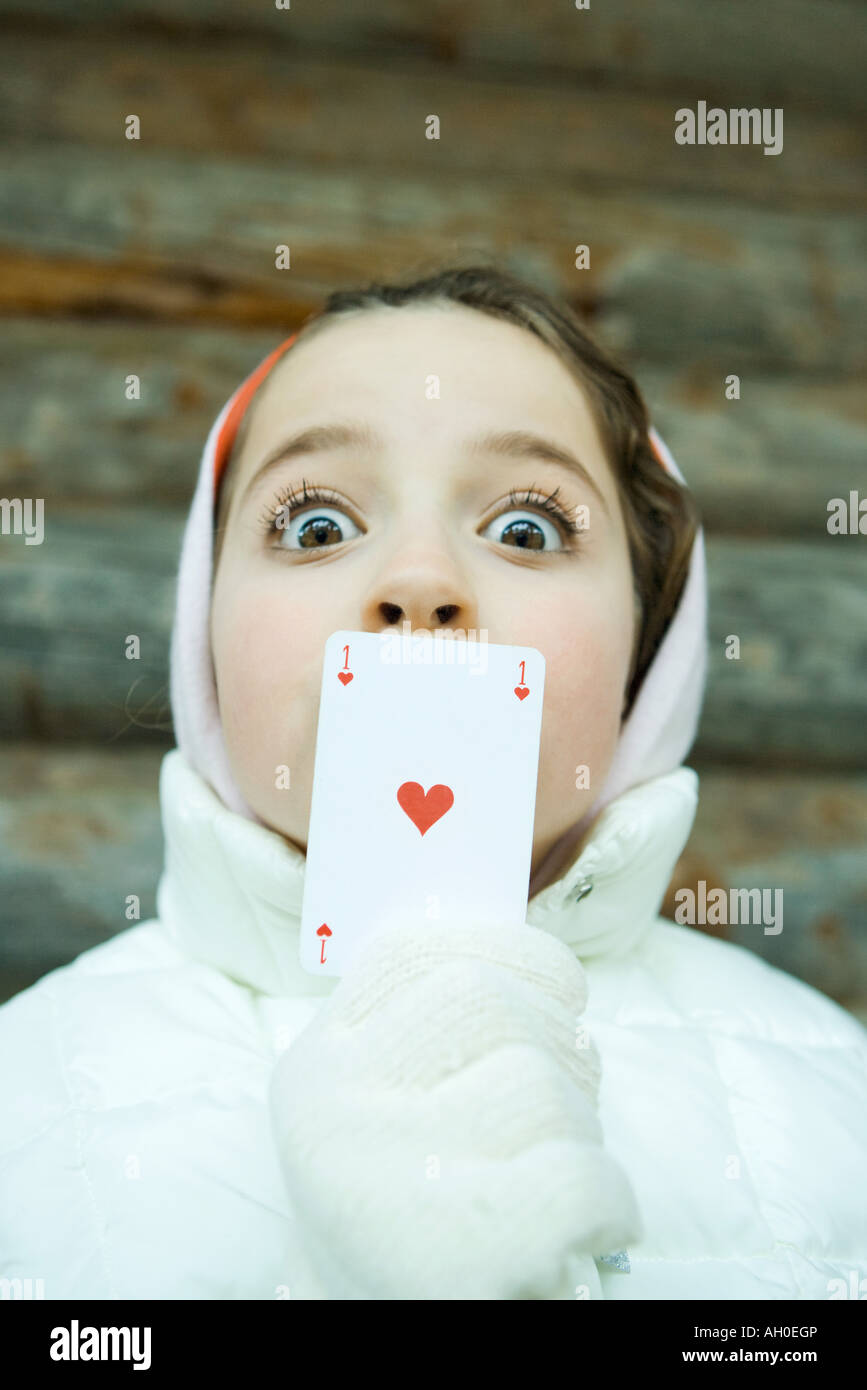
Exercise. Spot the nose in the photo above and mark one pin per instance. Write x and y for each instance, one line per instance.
(393, 613)
(428, 592)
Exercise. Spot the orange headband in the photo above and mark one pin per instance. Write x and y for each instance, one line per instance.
(241, 400)
(235, 413)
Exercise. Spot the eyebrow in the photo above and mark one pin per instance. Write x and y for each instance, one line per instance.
(522, 444)
(516, 444)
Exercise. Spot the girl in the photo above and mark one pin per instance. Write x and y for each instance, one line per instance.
(599, 1104)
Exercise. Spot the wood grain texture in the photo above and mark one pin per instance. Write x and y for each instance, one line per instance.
(81, 831)
(802, 836)
(96, 233)
(795, 697)
(239, 98)
(783, 50)
(767, 464)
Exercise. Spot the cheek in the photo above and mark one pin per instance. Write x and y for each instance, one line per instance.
(586, 640)
(585, 681)
(262, 646)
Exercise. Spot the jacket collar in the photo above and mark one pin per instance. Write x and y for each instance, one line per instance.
(231, 890)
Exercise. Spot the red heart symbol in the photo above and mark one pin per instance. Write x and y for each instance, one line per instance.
(324, 930)
(344, 676)
(522, 691)
(424, 811)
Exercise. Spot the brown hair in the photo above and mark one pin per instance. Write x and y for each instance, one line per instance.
(660, 515)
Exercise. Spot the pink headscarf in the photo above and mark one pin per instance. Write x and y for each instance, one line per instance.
(655, 739)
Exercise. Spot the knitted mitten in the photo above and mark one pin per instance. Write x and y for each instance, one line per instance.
(436, 1123)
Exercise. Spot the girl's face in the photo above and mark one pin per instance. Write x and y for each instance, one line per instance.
(419, 528)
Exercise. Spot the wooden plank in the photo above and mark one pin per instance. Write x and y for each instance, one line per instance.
(672, 279)
(82, 832)
(794, 698)
(802, 837)
(69, 606)
(769, 461)
(789, 444)
(792, 50)
(72, 434)
(212, 100)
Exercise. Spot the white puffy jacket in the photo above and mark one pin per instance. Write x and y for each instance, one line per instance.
(137, 1156)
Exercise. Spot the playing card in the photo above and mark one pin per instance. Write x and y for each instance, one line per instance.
(424, 788)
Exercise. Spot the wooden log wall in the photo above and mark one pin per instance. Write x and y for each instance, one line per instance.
(305, 126)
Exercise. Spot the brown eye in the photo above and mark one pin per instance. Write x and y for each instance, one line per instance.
(524, 533)
(536, 533)
(320, 529)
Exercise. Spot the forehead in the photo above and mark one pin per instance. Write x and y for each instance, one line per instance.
(434, 372)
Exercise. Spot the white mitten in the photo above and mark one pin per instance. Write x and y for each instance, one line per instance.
(437, 1125)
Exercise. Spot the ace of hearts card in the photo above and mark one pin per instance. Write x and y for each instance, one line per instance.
(424, 789)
